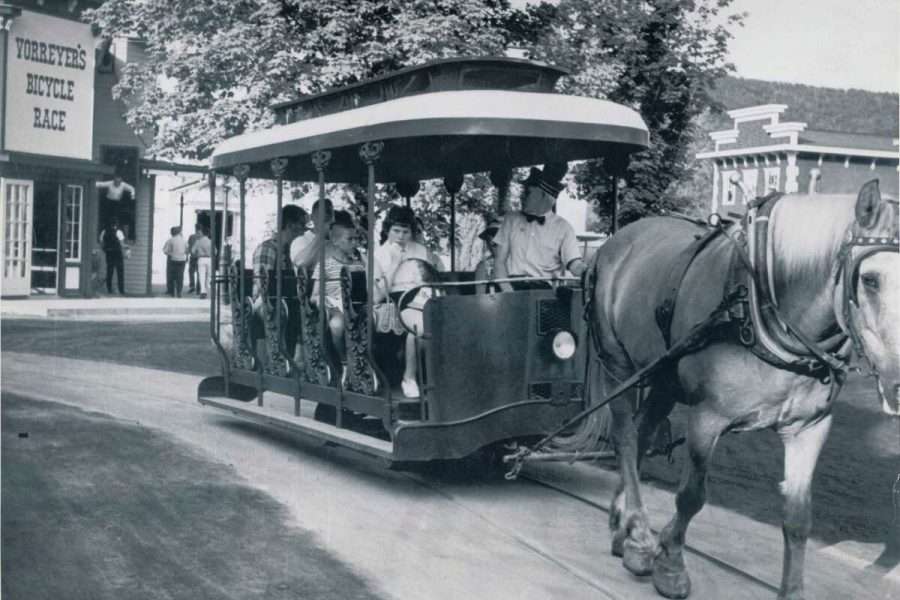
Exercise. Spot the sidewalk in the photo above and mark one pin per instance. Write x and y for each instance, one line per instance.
(108, 308)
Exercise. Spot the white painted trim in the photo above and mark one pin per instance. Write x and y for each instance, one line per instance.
(754, 113)
(803, 148)
(726, 135)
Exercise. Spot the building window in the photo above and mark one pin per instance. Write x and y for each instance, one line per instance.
(729, 189)
(73, 205)
(773, 179)
(750, 179)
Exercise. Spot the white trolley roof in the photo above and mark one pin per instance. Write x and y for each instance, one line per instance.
(432, 134)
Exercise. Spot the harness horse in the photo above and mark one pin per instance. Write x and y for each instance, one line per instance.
(804, 281)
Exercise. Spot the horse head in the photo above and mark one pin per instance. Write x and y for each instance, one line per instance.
(870, 290)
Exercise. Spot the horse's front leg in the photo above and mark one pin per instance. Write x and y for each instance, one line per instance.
(801, 452)
(670, 576)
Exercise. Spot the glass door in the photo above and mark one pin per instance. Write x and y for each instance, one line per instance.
(15, 224)
(45, 243)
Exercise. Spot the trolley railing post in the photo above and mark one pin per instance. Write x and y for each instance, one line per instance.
(320, 160)
(370, 152)
(241, 172)
(214, 316)
(453, 183)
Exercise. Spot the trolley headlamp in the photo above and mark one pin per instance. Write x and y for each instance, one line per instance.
(563, 344)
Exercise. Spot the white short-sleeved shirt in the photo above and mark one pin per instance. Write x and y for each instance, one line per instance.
(388, 257)
(300, 244)
(537, 250)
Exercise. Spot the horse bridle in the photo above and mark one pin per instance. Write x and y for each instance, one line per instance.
(859, 244)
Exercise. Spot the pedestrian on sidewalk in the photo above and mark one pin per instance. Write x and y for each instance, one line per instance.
(112, 240)
(175, 250)
(193, 282)
(201, 253)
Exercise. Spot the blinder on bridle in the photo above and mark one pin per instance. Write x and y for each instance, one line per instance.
(874, 230)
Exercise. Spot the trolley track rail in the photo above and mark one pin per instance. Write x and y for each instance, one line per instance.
(722, 564)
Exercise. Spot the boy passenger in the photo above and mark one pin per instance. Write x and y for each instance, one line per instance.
(341, 251)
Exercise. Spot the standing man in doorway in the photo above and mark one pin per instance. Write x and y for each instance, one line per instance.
(201, 253)
(193, 283)
(536, 242)
(112, 240)
(175, 250)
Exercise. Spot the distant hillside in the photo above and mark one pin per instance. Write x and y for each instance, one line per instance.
(851, 111)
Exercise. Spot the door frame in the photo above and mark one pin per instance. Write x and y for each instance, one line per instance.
(25, 289)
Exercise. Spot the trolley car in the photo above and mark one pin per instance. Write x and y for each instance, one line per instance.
(490, 371)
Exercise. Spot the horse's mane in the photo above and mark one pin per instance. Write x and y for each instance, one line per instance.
(807, 233)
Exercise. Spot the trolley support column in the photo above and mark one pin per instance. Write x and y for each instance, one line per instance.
(214, 314)
(453, 183)
(320, 160)
(241, 172)
(370, 152)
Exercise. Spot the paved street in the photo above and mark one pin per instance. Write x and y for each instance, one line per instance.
(448, 534)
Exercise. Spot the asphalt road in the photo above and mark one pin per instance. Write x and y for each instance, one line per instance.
(423, 535)
(95, 507)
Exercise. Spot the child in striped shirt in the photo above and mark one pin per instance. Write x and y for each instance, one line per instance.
(341, 252)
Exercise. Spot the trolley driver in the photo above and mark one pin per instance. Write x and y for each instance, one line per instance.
(536, 242)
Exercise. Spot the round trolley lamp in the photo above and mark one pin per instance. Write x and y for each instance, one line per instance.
(563, 344)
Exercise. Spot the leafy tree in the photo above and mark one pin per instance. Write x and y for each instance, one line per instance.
(213, 67)
(661, 57)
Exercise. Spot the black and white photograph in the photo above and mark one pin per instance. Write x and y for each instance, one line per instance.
(449, 299)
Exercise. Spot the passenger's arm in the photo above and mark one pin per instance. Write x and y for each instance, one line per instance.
(308, 254)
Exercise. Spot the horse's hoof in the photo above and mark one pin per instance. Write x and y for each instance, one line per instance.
(670, 580)
(637, 559)
(618, 544)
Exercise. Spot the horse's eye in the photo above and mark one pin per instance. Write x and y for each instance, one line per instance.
(871, 281)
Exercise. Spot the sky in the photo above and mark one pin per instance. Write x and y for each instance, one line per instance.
(830, 43)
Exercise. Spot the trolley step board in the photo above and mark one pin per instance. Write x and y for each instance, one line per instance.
(267, 415)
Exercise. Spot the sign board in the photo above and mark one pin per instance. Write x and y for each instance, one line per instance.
(49, 104)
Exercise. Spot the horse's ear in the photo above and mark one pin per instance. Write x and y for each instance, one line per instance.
(867, 204)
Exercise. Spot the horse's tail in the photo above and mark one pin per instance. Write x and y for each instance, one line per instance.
(593, 433)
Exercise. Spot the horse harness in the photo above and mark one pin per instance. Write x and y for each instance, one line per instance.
(748, 310)
(754, 318)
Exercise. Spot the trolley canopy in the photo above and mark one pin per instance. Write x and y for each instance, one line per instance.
(433, 134)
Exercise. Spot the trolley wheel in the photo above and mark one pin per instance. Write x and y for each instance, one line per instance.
(325, 413)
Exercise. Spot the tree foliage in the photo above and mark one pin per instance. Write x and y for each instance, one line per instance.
(214, 67)
(661, 57)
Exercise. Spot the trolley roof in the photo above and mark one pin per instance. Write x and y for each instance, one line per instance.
(431, 134)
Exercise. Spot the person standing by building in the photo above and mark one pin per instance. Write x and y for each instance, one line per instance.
(175, 250)
(112, 240)
(201, 253)
(193, 283)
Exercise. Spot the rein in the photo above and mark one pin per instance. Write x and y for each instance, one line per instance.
(785, 346)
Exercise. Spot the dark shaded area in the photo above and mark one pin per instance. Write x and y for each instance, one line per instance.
(97, 508)
(181, 347)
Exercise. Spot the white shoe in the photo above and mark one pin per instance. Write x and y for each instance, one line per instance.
(410, 388)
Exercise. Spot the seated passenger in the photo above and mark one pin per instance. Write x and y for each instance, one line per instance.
(397, 246)
(305, 248)
(485, 268)
(293, 224)
(341, 251)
